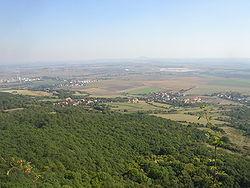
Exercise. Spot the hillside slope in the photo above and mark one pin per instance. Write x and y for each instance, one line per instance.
(72, 147)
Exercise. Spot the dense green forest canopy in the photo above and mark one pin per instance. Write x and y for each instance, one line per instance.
(77, 147)
(10, 101)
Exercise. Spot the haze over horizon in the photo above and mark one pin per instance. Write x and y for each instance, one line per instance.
(60, 30)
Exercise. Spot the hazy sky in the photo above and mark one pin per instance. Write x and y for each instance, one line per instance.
(61, 30)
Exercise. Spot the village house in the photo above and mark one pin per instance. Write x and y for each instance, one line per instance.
(69, 99)
(134, 100)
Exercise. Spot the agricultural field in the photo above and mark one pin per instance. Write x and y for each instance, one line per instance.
(176, 83)
(98, 91)
(209, 89)
(138, 86)
(242, 83)
(132, 107)
(198, 85)
(144, 90)
(180, 116)
(220, 101)
(29, 92)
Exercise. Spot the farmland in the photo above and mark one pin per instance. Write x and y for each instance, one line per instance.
(120, 84)
(132, 107)
(181, 117)
(28, 92)
(241, 83)
(144, 90)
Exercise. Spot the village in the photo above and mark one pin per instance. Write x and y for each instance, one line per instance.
(166, 97)
(233, 96)
(77, 83)
(160, 97)
(19, 79)
(75, 102)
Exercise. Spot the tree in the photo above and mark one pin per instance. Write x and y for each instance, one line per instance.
(24, 167)
(216, 140)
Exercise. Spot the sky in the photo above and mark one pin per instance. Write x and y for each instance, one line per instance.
(74, 30)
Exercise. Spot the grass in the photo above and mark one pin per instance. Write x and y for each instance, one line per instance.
(132, 107)
(181, 117)
(237, 137)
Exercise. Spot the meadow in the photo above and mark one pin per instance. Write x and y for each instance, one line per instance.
(132, 107)
(180, 117)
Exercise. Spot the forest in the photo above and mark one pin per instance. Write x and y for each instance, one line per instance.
(51, 146)
(10, 101)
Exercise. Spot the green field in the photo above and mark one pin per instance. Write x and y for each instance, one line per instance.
(45, 83)
(142, 91)
(160, 105)
(132, 107)
(244, 83)
(210, 89)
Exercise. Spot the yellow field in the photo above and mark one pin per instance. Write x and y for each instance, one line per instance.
(28, 92)
(14, 109)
